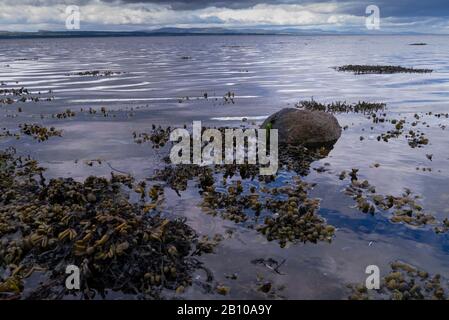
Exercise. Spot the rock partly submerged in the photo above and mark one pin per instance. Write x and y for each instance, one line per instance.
(304, 127)
(379, 69)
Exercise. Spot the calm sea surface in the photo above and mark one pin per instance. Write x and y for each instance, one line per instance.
(266, 73)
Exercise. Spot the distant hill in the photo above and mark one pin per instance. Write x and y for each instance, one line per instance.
(142, 33)
(164, 32)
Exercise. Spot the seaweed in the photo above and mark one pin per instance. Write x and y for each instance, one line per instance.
(379, 69)
(118, 245)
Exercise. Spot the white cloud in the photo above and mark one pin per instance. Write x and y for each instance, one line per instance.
(31, 14)
(273, 14)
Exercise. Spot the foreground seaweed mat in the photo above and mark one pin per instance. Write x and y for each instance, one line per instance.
(45, 226)
(404, 282)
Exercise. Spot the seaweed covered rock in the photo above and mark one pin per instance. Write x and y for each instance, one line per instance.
(304, 127)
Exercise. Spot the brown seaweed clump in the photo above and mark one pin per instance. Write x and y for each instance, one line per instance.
(404, 282)
(296, 217)
(231, 203)
(177, 177)
(158, 136)
(38, 132)
(96, 73)
(64, 115)
(341, 106)
(207, 244)
(403, 209)
(415, 138)
(299, 158)
(117, 245)
(379, 69)
(5, 133)
(13, 95)
(287, 213)
(394, 133)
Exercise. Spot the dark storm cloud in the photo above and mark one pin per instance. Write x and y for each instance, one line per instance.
(200, 4)
(389, 8)
(404, 8)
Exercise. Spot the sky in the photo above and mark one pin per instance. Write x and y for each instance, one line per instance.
(347, 16)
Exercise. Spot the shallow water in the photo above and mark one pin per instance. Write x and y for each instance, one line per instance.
(266, 73)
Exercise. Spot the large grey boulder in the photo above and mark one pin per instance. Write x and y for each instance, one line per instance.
(309, 128)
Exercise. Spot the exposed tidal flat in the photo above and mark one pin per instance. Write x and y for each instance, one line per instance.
(86, 107)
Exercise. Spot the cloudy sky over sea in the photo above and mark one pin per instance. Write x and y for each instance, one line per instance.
(431, 16)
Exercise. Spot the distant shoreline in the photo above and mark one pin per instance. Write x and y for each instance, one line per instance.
(179, 33)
